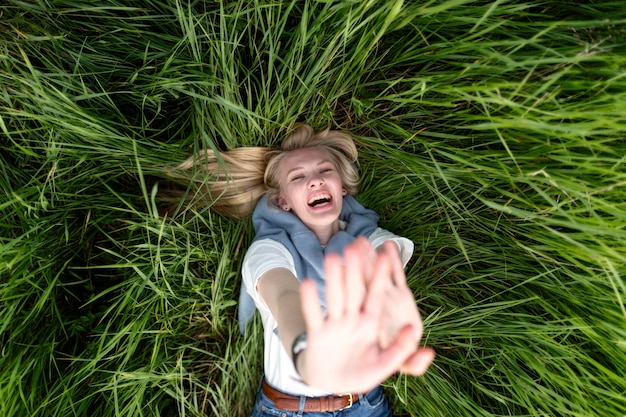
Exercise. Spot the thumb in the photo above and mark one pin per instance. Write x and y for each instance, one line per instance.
(399, 350)
(417, 364)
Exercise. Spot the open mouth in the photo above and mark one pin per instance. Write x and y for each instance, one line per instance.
(319, 200)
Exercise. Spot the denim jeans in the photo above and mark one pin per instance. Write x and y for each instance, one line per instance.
(372, 404)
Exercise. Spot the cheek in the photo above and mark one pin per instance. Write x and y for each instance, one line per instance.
(289, 193)
(339, 183)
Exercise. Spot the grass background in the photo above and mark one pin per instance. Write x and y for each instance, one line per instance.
(491, 133)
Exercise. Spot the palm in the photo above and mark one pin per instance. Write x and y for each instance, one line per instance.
(345, 351)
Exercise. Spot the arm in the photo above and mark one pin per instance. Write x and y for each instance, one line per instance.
(344, 352)
(280, 290)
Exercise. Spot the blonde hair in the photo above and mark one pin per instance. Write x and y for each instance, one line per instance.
(232, 182)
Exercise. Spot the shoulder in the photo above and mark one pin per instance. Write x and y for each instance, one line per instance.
(267, 247)
(406, 246)
(263, 255)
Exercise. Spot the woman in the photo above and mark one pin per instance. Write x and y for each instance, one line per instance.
(332, 324)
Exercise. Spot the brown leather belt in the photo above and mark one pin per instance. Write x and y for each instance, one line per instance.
(288, 402)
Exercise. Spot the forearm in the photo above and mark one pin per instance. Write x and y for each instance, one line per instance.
(290, 319)
(280, 290)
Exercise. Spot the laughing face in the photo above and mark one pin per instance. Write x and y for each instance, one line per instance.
(311, 188)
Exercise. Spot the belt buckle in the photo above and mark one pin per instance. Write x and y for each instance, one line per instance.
(349, 395)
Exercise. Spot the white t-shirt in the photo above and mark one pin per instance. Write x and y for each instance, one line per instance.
(267, 254)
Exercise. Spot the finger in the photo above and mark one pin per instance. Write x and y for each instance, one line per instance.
(398, 352)
(377, 289)
(369, 260)
(311, 308)
(399, 277)
(355, 257)
(417, 364)
(334, 272)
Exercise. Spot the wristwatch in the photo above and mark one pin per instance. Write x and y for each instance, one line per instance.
(299, 344)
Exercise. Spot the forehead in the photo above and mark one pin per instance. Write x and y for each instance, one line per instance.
(303, 157)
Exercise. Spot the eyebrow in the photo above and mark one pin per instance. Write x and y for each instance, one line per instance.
(299, 167)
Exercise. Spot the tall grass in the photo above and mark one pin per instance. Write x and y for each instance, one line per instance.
(492, 134)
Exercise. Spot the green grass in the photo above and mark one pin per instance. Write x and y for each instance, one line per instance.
(492, 134)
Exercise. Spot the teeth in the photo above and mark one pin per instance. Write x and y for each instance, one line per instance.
(319, 197)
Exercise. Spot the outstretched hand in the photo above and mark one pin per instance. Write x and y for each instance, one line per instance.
(351, 349)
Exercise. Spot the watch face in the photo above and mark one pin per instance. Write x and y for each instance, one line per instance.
(299, 344)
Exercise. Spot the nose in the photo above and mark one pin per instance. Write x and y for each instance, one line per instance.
(315, 181)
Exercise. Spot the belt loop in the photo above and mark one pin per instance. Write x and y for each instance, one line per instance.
(301, 405)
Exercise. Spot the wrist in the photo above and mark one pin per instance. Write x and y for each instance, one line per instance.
(298, 347)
